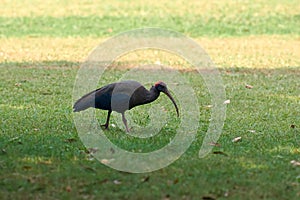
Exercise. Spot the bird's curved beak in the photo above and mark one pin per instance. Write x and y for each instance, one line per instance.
(172, 99)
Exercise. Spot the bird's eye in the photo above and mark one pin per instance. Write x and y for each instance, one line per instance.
(161, 87)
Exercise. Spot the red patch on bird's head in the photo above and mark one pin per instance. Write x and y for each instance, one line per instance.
(159, 83)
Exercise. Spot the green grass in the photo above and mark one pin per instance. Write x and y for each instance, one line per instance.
(42, 156)
(192, 25)
(194, 18)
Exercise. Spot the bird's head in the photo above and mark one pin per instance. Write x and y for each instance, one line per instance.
(162, 87)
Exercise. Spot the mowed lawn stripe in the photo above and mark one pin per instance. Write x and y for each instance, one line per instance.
(213, 8)
(192, 25)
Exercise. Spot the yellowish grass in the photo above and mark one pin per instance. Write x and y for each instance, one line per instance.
(46, 49)
(215, 8)
(250, 52)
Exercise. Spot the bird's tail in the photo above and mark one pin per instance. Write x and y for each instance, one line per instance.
(85, 102)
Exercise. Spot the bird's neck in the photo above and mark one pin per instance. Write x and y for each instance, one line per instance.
(153, 94)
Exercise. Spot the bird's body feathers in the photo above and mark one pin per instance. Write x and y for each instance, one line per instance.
(121, 96)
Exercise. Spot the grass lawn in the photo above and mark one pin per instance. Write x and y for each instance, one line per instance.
(252, 43)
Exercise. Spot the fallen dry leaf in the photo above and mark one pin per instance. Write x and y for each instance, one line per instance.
(146, 179)
(296, 151)
(27, 167)
(249, 86)
(226, 194)
(220, 152)
(14, 138)
(176, 181)
(117, 182)
(293, 126)
(167, 197)
(68, 188)
(208, 198)
(295, 163)
(208, 106)
(88, 168)
(106, 161)
(3, 151)
(31, 179)
(215, 144)
(237, 139)
(104, 181)
(227, 101)
(45, 162)
(92, 150)
(70, 140)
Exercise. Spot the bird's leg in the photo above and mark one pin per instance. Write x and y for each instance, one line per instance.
(125, 122)
(107, 120)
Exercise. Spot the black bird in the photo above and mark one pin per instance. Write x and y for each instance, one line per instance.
(122, 96)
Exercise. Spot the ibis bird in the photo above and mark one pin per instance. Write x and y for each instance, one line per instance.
(120, 97)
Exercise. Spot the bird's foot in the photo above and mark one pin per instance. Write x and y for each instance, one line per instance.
(105, 126)
(129, 129)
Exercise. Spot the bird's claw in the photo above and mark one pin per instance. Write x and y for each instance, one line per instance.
(129, 129)
(105, 126)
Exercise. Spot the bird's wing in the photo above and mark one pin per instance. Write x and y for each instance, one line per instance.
(94, 98)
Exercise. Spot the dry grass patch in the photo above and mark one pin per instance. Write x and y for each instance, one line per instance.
(214, 8)
(46, 49)
(249, 52)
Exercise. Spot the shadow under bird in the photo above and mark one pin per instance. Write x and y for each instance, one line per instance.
(122, 96)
